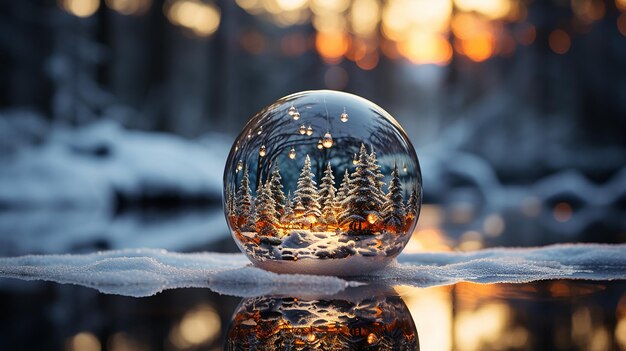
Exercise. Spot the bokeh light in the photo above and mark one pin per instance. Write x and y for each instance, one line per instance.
(202, 18)
(80, 8)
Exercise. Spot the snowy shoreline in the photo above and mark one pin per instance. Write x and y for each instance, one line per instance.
(145, 272)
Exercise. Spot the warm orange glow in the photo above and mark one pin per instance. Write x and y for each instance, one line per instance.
(478, 48)
(331, 46)
(620, 4)
(476, 329)
(202, 18)
(562, 212)
(621, 23)
(371, 338)
(491, 8)
(358, 50)
(425, 47)
(80, 8)
(620, 333)
(311, 337)
(400, 17)
(372, 218)
(129, 7)
(84, 341)
(559, 41)
(368, 62)
(431, 310)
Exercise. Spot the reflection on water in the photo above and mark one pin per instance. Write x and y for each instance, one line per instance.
(548, 315)
(358, 319)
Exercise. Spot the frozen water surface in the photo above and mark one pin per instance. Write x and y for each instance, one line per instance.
(145, 272)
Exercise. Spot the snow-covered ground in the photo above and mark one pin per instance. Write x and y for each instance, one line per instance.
(305, 244)
(95, 165)
(145, 272)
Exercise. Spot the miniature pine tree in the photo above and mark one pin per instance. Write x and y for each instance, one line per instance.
(394, 208)
(412, 205)
(266, 221)
(361, 200)
(288, 216)
(277, 190)
(375, 168)
(230, 201)
(306, 191)
(244, 196)
(327, 197)
(344, 188)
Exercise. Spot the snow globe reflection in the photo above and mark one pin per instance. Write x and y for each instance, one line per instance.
(351, 321)
(322, 182)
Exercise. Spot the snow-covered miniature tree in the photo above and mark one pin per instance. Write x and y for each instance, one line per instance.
(412, 204)
(379, 177)
(265, 219)
(361, 205)
(230, 202)
(344, 188)
(288, 218)
(394, 208)
(306, 191)
(277, 190)
(243, 208)
(328, 196)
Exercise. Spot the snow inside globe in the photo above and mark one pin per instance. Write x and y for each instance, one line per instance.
(322, 182)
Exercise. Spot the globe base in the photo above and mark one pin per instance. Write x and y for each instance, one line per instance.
(340, 267)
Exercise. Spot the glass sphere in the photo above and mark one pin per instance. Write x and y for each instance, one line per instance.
(324, 194)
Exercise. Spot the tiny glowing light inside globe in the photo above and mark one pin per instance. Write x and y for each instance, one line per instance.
(328, 140)
(371, 338)
(344, 116)
(307, 214)
(311, 337)
(372, 218)
(296, 116)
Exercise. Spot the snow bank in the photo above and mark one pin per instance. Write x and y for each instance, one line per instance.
(145, 272)
(509, 265)
(92, 165)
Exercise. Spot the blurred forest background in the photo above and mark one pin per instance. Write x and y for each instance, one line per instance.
(109, 107)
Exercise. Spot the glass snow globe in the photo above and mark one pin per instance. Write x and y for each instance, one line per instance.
(322, 182)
